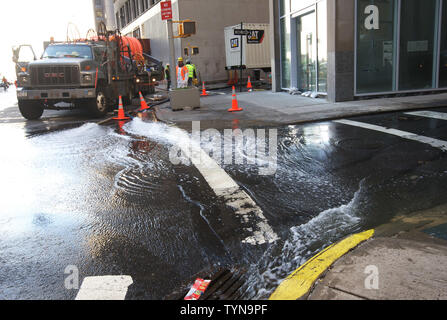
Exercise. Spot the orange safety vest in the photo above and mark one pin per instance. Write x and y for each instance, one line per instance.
(184, 71)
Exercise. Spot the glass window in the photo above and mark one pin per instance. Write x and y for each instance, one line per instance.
(375, 45)
(443, 56)
(136, 33)
(134, 9)
(296, 5)
(68, 51)
(417, 38)
(284, 7)
(306, 51)
(128, 16)
(143, 5)
(322, 45)
(123, 17)
(117, 16)
(286, 54)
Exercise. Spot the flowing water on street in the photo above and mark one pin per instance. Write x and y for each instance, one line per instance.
(119, 205)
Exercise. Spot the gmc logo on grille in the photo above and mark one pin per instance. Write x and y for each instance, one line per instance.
(54, 75)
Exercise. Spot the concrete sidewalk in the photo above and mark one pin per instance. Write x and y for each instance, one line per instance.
(405, 270)
(267, 108)
(403, 259)
(408, 257)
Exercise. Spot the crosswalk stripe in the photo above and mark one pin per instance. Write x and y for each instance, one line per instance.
(429, 114)
(247, 211)
(224, 186)
(403, 134)
(104, 288)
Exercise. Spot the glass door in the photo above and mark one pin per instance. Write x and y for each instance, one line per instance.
(307, 52)
(417, 44)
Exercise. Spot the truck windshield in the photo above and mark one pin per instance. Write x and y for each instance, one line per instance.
(68, 51)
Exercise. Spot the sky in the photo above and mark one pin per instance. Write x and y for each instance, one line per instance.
(35, 21)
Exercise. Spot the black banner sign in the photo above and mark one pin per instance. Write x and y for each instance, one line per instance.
(255, 36)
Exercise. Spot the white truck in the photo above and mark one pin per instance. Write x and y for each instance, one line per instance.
(255, 46)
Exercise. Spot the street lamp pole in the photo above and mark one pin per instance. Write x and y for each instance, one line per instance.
(172, 54)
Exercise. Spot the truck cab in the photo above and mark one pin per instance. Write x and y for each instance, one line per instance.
(86, 74)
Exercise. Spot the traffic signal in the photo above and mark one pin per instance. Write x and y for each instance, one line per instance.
(186, 28)
(189, 27)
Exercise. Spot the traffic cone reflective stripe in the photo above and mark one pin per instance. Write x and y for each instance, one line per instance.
(249, 86)
(121, 115)
(203, 89)
(143, 103)
(234, 104)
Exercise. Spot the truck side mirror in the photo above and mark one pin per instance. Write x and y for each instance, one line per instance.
(15, 54)
(28, 54)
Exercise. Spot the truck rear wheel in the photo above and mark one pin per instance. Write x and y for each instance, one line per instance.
(99, 106)
(31, 110)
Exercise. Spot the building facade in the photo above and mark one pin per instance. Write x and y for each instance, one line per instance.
(142, 18)
(353, 48)
(103, 11)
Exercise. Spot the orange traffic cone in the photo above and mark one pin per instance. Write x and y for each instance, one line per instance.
(203, 89)
(143, 103)
(121, 115)
(249, 86)
(121, 123)
(234, 104)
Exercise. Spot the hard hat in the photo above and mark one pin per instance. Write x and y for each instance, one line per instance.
(188, 61)
(167, 64)
(180, 59)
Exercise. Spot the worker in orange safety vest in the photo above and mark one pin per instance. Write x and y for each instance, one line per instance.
(182, 74)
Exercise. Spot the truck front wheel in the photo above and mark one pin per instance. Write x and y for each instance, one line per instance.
(99, 106)
(31, 110)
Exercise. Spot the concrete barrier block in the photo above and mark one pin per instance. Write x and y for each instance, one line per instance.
(185, 98)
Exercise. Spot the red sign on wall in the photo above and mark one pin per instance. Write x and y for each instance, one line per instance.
(166, 10)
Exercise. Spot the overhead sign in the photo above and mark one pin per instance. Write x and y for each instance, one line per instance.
(255, 36)
(166, 10)
(241, 32)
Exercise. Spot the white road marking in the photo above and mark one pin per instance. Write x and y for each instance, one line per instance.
(224, 186)
(104, 288)
(403, 134)
(429, 114)
(252, 218)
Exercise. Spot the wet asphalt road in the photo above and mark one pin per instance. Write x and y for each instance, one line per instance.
(111, 202)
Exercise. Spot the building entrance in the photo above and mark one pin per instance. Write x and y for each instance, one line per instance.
(307, 52)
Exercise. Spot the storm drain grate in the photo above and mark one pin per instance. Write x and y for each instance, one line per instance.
(225, 285)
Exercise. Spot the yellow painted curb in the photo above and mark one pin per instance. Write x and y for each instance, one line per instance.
(301, 280)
